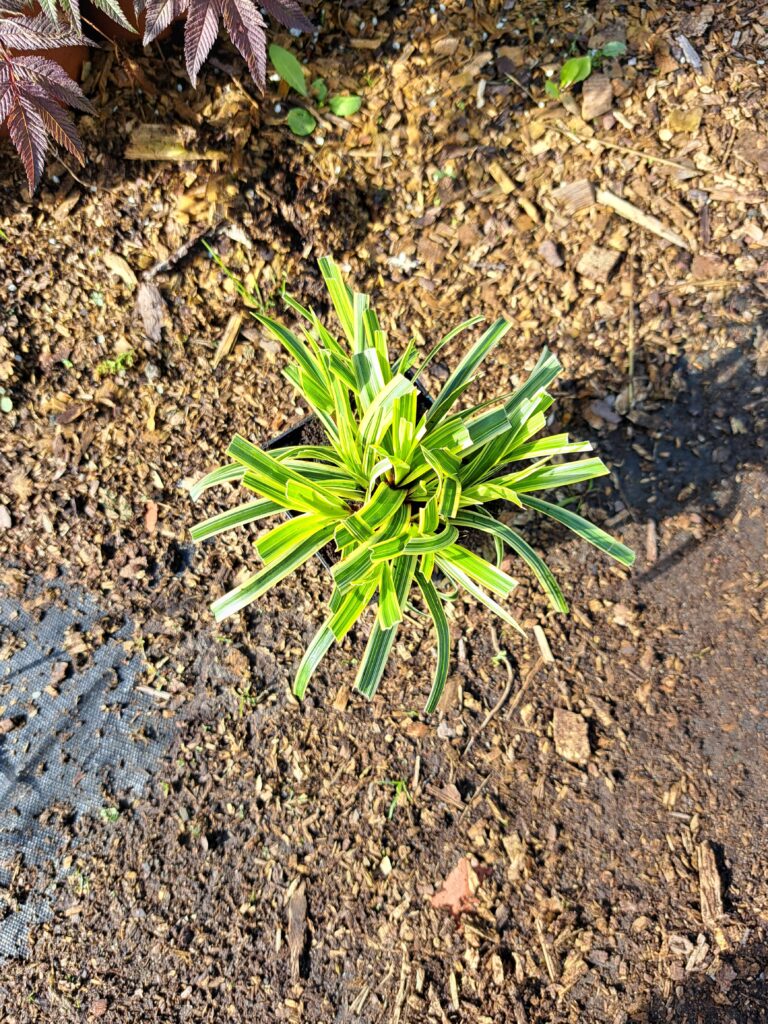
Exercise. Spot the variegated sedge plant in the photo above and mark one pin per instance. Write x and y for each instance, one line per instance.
(394, 485)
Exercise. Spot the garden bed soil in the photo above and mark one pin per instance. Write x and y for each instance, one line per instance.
(611, 796)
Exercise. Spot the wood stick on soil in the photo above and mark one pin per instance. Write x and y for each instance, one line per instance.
(651, 157)
(631, 333)
(400, 999)
(548, 960)
(637, 216)
(506, 692)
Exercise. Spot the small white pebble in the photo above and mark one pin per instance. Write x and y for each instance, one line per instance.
(295, 32)
(179, 87)
(278, 108)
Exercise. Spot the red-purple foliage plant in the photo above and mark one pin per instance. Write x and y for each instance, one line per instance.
(36, 93)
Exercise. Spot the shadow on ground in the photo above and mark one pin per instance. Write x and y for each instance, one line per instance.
(736, 993)
(686, 456)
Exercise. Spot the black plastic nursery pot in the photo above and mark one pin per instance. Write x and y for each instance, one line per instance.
(310, 431)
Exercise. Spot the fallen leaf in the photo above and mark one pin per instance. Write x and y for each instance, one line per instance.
(459, 888)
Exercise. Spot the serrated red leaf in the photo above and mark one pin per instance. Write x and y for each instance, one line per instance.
(246, 29)
(159, 15)
(57, 83)
(6, 100)
(28, 134)
(34, 94)
(57, 121)
(288, 13)
(200, 34)
(37, 33)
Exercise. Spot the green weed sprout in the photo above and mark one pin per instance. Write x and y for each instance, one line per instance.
(394, 485)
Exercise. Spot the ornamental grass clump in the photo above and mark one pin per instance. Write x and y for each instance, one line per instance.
(397, 481)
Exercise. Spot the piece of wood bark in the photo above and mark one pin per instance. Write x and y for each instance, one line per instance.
(228, 338)
(550, 253)
(297, 928)
(571, 736)
(573, 196)
(598, 263)
(596, 97)
(637, 216)
(710, 886)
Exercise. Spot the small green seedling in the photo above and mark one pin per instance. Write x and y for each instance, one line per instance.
(111, 367)
(298, 119)
(398, 481)
(110, 814)
(579, 68)
(400, 796)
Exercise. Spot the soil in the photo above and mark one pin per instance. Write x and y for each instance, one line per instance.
(265, 873)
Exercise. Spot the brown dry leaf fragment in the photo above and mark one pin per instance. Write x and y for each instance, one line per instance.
(151, 308)
(459, 888)
(6, 725)
(120, 267)
(150, 517)
(297, 928)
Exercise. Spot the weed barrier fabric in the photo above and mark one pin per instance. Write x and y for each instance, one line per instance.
(75, 731)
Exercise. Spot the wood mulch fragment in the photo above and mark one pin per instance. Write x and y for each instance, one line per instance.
(297, 928)
(598, 263)
(574, 196)
(644, 220)
(228, 338)
(571, 735)
(710, 886)
(596, 97)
